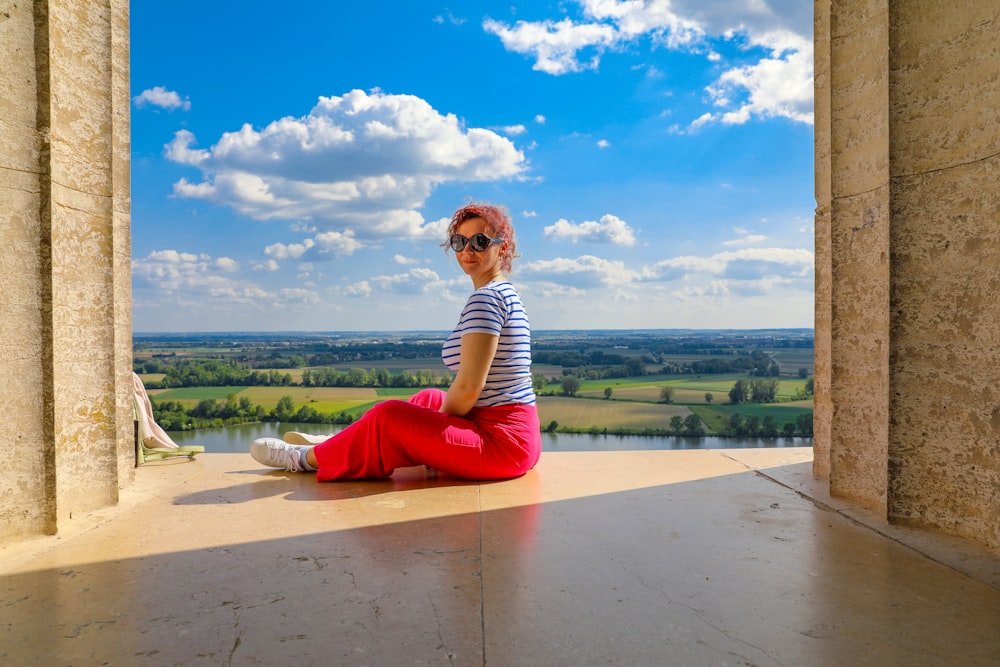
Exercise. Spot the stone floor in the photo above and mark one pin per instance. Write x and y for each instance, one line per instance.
(717, 557)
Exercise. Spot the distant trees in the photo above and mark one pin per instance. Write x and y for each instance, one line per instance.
(676, 424)
(804, 423)
(360, 377)
(209, 412)
(570, 385)
(753, 391)
(690, 425)
(213, 373)
(739, 393)
(768, 427)
(607, 392)
(666, 394)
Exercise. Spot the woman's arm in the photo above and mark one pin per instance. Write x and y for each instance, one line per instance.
(475, 359)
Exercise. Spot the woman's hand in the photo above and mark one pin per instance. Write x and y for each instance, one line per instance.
(475, 359)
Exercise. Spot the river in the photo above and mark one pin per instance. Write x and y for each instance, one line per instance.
(237, 439)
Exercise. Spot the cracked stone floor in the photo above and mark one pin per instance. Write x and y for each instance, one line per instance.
(695, 557)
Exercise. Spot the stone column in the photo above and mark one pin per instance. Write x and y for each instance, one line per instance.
(822, 401)
(944, 100)
(859, 250)
(66, 325)
(911, 146)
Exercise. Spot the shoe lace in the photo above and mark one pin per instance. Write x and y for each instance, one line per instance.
(290, 456)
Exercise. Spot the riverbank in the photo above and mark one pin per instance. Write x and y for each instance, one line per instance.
(236, 439)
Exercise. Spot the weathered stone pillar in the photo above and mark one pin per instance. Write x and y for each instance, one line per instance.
(911, 146)
(65, 332)
(822, 402)
(859, 250)
(944, 96)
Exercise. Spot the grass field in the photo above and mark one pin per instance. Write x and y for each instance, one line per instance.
(717, 416)
(586, 413)
(792, 359)
(634, 403)
(321, 399)
(687, 388)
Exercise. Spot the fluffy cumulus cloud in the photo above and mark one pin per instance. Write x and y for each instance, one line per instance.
(412, 282)
(360, 165)
(159, 96)
(555, 45)
(745, 271)
(748, 264)
(199, 281)
(586, 271)
(609, 229)
(778, 84)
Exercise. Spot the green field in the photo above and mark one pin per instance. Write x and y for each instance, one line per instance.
(687, 388)
(634, 404)
(792, 359)
(587, 413)
(321, 399)
(716, 417)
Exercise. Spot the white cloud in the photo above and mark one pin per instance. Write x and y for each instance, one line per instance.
(450, 18)
(580, 272)
(270, 265)
(513, 130)
(360, 289)
(290, 250)
(360, 164)
(778, 85)
(540, 119)
(745, 238)
(337, 243)
(414, 281)
(554, 45)
(322, 245)
(179, 150)
(404, 261)
(797, 263)
(610, 229)
(603, 143)
(159, 96)
(634, 18)
(200, 282)
(746, 272)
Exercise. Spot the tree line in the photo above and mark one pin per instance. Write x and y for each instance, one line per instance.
(212, 413)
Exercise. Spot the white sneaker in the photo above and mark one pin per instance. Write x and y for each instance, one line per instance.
(297, 438)
(277, 454)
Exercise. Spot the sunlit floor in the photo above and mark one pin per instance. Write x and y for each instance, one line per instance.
(718, 557)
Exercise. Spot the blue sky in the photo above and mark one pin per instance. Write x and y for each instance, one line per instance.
(294, 166)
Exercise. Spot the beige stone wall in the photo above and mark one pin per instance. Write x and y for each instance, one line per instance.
(944, 449)
(822, 400)
(908, 189)
(66, 327)
(859, 250)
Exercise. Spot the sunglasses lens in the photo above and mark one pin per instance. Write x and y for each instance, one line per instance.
(480, 242)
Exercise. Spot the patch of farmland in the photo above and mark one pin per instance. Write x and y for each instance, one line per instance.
(585, 413)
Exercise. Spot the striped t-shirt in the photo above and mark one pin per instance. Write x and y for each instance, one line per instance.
(496, 309)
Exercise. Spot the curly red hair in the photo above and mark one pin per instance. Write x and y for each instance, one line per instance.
(497, 220)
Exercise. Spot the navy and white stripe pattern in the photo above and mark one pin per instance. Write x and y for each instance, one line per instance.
(496, 309)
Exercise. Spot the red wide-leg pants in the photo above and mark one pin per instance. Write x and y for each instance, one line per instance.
(488, 443)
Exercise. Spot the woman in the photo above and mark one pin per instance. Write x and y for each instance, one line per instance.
(486, 425)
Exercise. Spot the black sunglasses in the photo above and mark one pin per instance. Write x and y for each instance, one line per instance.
(478, 242)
